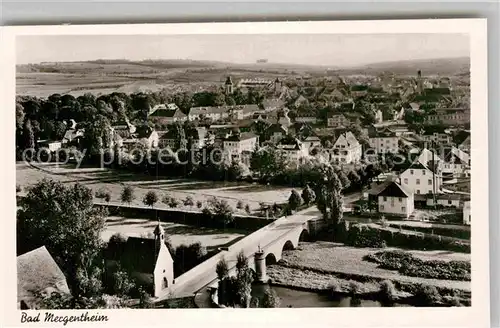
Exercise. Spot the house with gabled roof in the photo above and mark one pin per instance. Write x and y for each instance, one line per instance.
(396, 200)
(168, 116)
(38, 275)
(456, 162)
(292, 149)
(239, 146)
(346, 149)
(336, 120)
(421, 179)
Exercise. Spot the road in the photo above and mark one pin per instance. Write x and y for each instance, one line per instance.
(248, 245)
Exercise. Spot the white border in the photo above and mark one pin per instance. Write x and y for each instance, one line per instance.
(475, 316)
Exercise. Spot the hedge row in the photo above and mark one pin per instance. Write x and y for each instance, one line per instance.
(364, 236)
(449, 232)
(409, 265)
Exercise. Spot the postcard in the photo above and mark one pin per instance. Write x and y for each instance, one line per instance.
(270, 173)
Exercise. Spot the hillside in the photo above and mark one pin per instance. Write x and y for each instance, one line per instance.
(441, 66)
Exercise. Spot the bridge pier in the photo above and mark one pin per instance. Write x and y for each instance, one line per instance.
(260, 266)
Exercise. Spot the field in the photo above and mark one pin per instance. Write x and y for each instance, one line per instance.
(113, 181)
(324, 259)
(179, 234)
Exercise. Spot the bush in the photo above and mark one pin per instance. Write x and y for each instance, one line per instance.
(18, 188)
(387, 291)
(107, 197)
(247, 208)
(199, 204)
(270, 299)
(188, 201)
(427, 295)
(363, 236)
(166, 199)
(408, 265)
(354, 288)
(294, 201)
(127, 195)
(239, 204)
(150, 198)
(173, 202)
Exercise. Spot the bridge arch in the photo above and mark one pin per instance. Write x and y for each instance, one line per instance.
(287, 246)
(304, 236)
(271, 259)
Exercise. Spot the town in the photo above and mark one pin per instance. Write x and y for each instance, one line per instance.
(264, 189)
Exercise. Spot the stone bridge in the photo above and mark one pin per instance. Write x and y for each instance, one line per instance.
(283, 234)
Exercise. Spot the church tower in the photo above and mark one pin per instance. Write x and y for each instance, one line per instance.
(159, 234)
(419, 82)
(277, 86)
(228, 86)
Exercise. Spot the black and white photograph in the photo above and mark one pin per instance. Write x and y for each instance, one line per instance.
(248, 169)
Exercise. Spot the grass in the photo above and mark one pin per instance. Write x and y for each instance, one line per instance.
(113, 181)
(179, 233)
(336, 259)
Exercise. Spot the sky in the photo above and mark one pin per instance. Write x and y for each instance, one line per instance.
(336, 50)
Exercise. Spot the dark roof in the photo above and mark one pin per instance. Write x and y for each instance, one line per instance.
(394, 190)
(144, 131)
(168, 113)
(375, 190)
(36, 272)
(228, 80)
(139, 254)
(241, 136)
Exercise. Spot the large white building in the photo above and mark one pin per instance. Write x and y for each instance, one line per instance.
(466, 213)
(456, 162)
(346, 149)
(384, 144)
(292, 149)
(420, 179)
(237, 145)
(396, 200)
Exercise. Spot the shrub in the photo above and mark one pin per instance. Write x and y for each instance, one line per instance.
(127, 194)
(335, 288)
(354, 288)
(270, 299)
(294, 201)
(427, 295)
(18, 188)
(188, 201)
(239, 204)
(387, 291)
(166, 199)
(308, 195)
(247, 208)
(173, 202)
(254, 302)
(107, 197)
(199, 204)
(101, 193)
(150, 198)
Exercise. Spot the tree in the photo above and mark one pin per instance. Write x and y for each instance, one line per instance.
(221, 210)
(222, 269)
(150, 199)
(308, 195)
(199, 204)
(294, 201)
(70, 229)
(270, 299)
(239, 204)
(122, 284)
(173, 202)
(145, 300)
(244, 279)
(19, 116)
(127, 195)
(247, 208)
(188, 201)
(329, 198)
(29, 135)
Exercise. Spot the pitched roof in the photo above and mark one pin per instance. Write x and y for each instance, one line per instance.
(273, 103)
(168, 113)
(139, 254)
(394, 189)
(38, 272)
(241, 136)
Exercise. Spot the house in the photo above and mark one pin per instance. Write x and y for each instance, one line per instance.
(306, 118)
(147, 260)
(383, 143)
(301, 100)
(270, 105)
(255, 83)
(284, 119)
(448, 200)
(311, 142)
(239, 146)
(292, 149)
(466, 213)
(163, 107)
(427, 157)
(50, 145)
(346, 149)
(168, 116)
(379, 117)
(399, 115)
(449, 116)
(396, 200)
(277, 132)
(465, 145)
(38, 275)
(215, 113)
(169, 138)
(148, 135)
(337, 120)
(420, 179)
(456, 162)
(440, 138)
(72, 136)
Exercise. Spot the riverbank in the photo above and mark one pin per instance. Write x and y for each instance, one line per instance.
(326, 266)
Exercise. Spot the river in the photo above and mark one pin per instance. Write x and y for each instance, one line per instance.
(302, 299)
